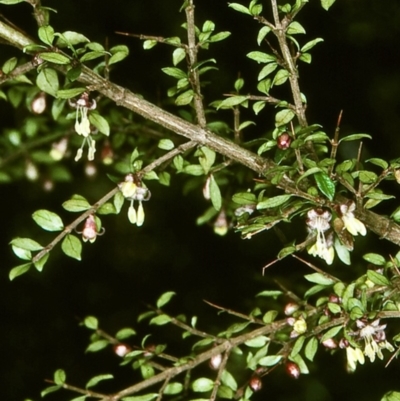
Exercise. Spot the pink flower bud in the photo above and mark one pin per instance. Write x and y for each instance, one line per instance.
(122, 349)
(283, 141)
(255, 383)
(330, 343)
(290, 308)
(215, 362)
(293, 370)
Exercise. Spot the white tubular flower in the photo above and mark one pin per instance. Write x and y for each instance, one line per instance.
(132, 191)
(352, 224)
(318, 222)
(354, 355)
(375, 339)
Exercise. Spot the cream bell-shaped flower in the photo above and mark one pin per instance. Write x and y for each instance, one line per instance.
(318, 221)
(133, 191)
(352, 224)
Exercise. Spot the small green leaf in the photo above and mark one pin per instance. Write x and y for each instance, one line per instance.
(119, 53)
(261, 57)
(354, 137)
(262, 34)
(69, 93)
(270, 293)
(202, 384)
(184, 98)
(298, 345)
(238, 7)
(148, 44)
(51, 389)
(49, 221)
(244, 198)
(91, 322)
(164, 178)
(283, 117)
(173, 388)
(125, 333)
(72, 246)
(270, 360)
(26, 243)
(325, 185)
(166, 144)
(46, 34)
(232, 101)
(326, 4)
(70, 38)
(218, 37)
(331, 333)
(228, 380)
(9, 65)
(266, 70)
(178, 55)
(47, 81)
(295, 28)
(391, 396)
(39, 264)
(55, 58)
(257, 342)
(319, 278)
(375, 259)
(310, 45)
(22, 253)
(311, 349)
(160, 320)
(270, 316)
(97, 346)
(215, 194)
(99, 122)
(92, 55)
(59, 377)
(273, 202)
(77, 203)
(19, 270)
(97, 379)
(194, 169)
(377, 278)
(165, 298)
(174, 72)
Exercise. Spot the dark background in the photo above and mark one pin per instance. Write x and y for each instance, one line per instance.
(356, 69)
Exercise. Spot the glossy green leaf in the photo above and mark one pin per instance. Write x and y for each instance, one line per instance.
(173, 388)
(261, 57)
(244, 198)
(375, 259)
(59, 377)
(319, 278)
(311, 348)
(309, 45)
(295, 28)
(47, 81)
(49, 221)
(39, 264)
(284, 117)
(232, 101)
(263, 32)
(229, 380)
(91, 322)
(270, 360)
(202, 384)
(166, 144)
(331, 333)
(99, 122)
(19, 270)
(55, 58)
(9, 65)
(92, 56)
(238, 7)
(354, 137)
(160, 320)
(270, 316)
(46, 34)
(325, 185)
(70, 93)
(184, 98)
(266, 70)
(165, 298)
(377, 278)
(50, 389)
(174, 72)
(77, 203)
(326, 4)
(273, 202)
(270, 293)
(97, 346)
(178, 55)
(148, 44)
(70, 38)
(145, 397)
(215, 194)
(119, 53)
(391, 396)
(26, 243)
(297, 347)
(125, 333)
(23, 254)
(257, 342)
(72, 246)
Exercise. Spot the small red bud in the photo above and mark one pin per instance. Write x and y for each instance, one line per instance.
(343, 343)
(283, 141)
(293, 370)
(334, 299)
(255, 383)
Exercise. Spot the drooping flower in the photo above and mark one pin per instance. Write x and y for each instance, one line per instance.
(318, 222)
(90, 229)
(132, 191)
(354, 355)
(352, 224)
(374, 337)
(82, 124)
